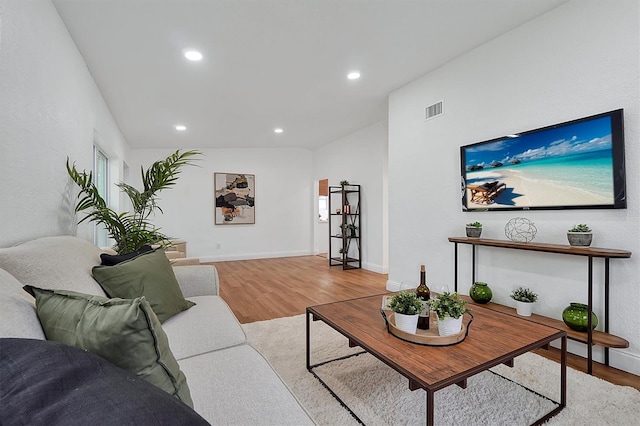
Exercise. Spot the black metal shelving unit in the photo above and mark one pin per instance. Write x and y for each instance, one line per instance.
(345, 243)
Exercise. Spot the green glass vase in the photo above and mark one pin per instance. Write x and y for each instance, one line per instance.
(480, 292)
(575, 316)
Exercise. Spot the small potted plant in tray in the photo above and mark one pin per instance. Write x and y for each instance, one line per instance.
(352, 230)
(474, 229)
(525, 298)
(406, 307)
(580, 235)
(449, 308)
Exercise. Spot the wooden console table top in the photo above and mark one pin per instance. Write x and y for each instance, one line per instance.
(549, 248)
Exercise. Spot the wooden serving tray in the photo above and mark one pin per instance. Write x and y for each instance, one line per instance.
(428, 337)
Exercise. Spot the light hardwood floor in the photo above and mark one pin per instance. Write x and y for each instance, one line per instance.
(263, 289)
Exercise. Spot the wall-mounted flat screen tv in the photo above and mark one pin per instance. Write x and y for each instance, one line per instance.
(574, 165)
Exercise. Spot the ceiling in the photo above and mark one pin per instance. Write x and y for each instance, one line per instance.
(270, 63)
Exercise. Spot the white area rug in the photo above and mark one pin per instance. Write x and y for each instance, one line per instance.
(381, 396)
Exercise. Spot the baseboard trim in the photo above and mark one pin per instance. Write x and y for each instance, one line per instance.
(374, 268)
(396, 286)
(625, 361)
(250, 256)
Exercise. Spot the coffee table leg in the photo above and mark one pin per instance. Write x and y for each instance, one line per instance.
(430, 400)
(308, 343)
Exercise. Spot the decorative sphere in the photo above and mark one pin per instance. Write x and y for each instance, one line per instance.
(520, 230)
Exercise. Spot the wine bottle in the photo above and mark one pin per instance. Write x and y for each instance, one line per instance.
(423, 294)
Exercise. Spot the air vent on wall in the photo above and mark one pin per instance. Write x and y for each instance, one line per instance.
(435, 110)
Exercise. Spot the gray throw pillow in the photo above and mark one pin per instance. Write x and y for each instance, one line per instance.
(149, 275)
(123, 331)
(50, 383)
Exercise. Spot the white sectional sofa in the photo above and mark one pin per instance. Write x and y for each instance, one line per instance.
(229, 381)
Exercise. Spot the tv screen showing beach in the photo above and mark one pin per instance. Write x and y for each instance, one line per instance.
(577, 164)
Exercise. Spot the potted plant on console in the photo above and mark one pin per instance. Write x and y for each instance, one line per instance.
(474, 230)
(449, 308)
(406, 307)
(580, 235)
(525, 298)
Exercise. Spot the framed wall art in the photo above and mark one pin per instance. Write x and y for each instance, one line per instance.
(235, 198)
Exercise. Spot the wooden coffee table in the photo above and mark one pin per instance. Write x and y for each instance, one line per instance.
(494, 338)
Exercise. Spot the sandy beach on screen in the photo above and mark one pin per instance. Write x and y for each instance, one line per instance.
(521, 191)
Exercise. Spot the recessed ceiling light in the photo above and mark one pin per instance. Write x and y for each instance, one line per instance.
(193, 55)
(278, 130)
(353, 75)
(181, 128)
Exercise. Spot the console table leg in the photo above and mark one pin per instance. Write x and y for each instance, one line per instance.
(589, 310)
(606, 306)
(430, 411)
(455, 270)
(473, 264)
(563, 373)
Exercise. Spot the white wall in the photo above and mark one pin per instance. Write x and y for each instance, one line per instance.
(360, 158)
(284, 200)
(50, 108)
(577, 60)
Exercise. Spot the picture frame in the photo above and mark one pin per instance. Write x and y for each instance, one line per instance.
(234, 195)
(577, 164)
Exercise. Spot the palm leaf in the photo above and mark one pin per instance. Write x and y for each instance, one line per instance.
(130, 231)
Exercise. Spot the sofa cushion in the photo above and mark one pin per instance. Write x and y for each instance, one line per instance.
(245, 389)
(54, 262)
(17, 311)
(50, 383)
(149, 275)
(124, 331)
(208, 326)
(113, 259)
(198, 280)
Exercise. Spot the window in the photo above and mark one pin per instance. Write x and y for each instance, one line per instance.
(323, 208)
(323, 200)
(101, 181)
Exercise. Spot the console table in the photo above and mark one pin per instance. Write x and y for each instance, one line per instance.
(590, 337)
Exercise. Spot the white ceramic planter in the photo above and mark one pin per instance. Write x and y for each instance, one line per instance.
(407, 323)
(449, 326)
(524, 308)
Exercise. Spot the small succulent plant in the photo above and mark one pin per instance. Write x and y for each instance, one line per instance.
(406, 303)
(522, 294)
(448, 305)
(580, 228)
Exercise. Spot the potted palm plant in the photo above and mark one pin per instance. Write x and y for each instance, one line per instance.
(406, 307)
(525, 298)
(130, 230)
(474, 230)
(449, 307)
(580, 235)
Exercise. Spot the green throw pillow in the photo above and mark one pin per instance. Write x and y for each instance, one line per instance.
(123, 331)
(149, 275)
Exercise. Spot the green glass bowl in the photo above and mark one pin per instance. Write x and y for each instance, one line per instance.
(480, 292)
(576, 318)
